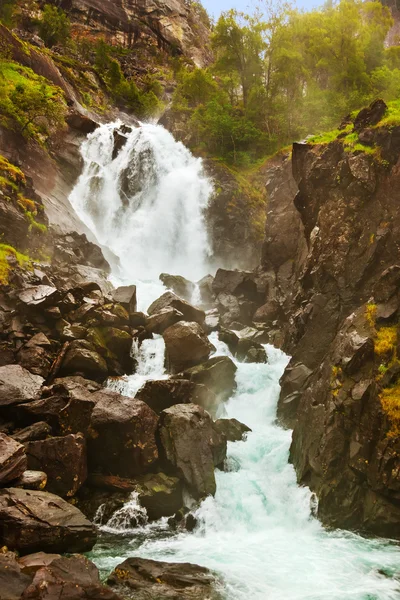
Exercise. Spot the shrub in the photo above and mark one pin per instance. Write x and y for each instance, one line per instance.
(385, 341)
(54, 26)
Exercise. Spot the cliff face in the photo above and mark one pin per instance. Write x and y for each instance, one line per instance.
(340, 391)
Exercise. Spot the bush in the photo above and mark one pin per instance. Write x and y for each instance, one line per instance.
(54, 27)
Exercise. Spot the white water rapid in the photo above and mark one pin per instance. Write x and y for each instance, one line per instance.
(258, 533)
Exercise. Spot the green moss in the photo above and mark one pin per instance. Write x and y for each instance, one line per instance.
(385, 341)
(7, 252)
(34, 225)
(370, 314)
(390, 402)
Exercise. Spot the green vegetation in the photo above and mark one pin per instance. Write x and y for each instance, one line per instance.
(28, 102)
(385, 341)
(390, 401)
(6, 253)
(54, 26)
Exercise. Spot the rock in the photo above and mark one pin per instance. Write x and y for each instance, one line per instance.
(188, 442)
(64, 461)
(81, 359)
(74, 578)
(18, 385)
(159, 494)
(217, 374)
(213, 319)
(36, 356)
(234, 430)
(179, 285)
(159, 322)
(122, 436)
(250, 351)
(126, 296)
(186, 345)
(237, 283)
(268, 312)
(35, 520)
(153, 580)
(229, 338)
(164, 393)
(13, 581)
(115, 347)
(206, 290)
(31, 563)
(37, 431)
(13, 461)
(137, 319)
(171, 300)
(39, 295)
(229, 308)
(370, 116)
(31, 480)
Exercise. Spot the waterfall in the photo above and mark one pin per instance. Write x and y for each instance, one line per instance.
(144, 202)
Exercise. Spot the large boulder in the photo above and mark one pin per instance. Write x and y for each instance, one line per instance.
(74, 577)
(190, 443)
(159, 494)
(160, 321)
(171, 300)
(82, 359)
(13, 461)
(232, 429)
(122, 436)
(217, 374)
(18, 385)
(238, 283)
(36, 355)
(126, 296)
(250, 351)
(144, 579)
(39, 295)
(33, 520)
(114, 345)
(64, 461)
(163, 393)
(36, 431)
(186, 345)
(179, 285)
(206, 291)
(13, 581)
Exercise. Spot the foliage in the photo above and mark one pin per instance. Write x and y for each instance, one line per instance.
(54, 26)
(370, 314)
(28, 102)
(390, 401)
(7, 8)
(7, 252)
(385, 341)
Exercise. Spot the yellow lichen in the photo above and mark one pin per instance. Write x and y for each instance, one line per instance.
(390, 401)
(385, 341)
(370, 314)
(7, 252)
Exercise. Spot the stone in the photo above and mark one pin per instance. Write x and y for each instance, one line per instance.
(233, 430)
(31, 563)
(74, 577)
(122, 436)
(36, 355)
(13, 581)
(164, 393)
(217, 374)
(229, 308)
(230, 338)
(39, 295)
(36, 431)
(206, 290)
(126, 296)
(31, 480)
(18, 385)
(268, 312)
(114, 345)
(188, 442)
(64, 461)
(250, 351)
(186, 345)
(159, 494)
(13, 461)
(179, 285)
(171, 300)
(153, 580)
(370, 116)
(237, 283)
(212, 322)
(137, 319)
(81, 359)
(160, 321)
(34, 520)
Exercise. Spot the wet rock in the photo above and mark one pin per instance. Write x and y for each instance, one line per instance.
(160, 321)
(122, 436)
(13, 581)
(206, 290)
(250, 351)
(31, 563)
(18, 385)
(115, 346)
(64, 461)
(237, 283)
(126, 296)
(186, 345)
(268, 312)
(81, 359)
(233, 429)
(229, 308)
(137, 319)
(188, 441)
(39, 295)
(217, 374)
(36, 431)
(179, 285)
(33, 520)
(171, 300)
(36, 355)
(13, 461)
(75, 577)
(152, 580)
(69, 332)
(31, 480)
(213, 319)
(230, 338)
(162, 394)
(370, 115)
(159, 494)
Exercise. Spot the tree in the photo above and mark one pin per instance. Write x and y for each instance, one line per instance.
(7, 8)
(54, 26)
(36, 103)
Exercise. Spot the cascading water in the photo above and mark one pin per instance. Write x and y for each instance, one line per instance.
(258, 534)
(145, 203)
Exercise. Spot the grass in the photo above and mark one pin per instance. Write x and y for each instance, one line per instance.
(6, 252)
(392, 116)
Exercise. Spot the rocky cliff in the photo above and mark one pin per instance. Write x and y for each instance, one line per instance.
(339, 303)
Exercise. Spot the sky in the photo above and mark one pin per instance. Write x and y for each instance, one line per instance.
(215, 7)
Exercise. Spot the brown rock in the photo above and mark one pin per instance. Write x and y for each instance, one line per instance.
(160, 321)
(81, 359)
(171, 300)
(179, 285)
(31, 480)
(161, 394)
(13, 581)
(13, 461)
(37, 431)
(217, 374)
(18, 385)
(186, 345)
(232, 429)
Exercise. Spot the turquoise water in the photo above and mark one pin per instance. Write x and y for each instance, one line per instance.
(257, 533)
